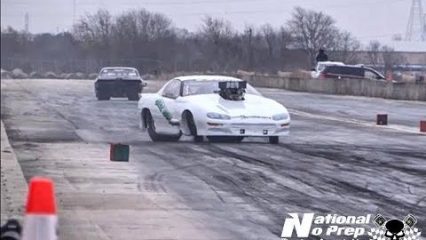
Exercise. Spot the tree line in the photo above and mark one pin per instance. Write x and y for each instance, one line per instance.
(151, 42)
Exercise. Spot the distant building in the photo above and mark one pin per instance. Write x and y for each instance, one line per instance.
(407, 58)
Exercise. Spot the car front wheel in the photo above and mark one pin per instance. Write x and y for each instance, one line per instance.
(191, 125)
(156, 137)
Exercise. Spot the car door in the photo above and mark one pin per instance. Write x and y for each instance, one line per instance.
(166, 106)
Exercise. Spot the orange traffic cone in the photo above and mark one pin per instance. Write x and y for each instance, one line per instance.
(40, 219)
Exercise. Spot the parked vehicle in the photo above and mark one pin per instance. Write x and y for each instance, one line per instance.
(346, 71)
(322, 65)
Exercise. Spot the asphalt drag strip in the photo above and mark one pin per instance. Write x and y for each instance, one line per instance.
(334, 161)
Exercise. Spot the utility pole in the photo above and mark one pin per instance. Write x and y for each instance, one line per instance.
(27, 22)
(424, 27)
(416, 27)
(73, 11)
(250, 50)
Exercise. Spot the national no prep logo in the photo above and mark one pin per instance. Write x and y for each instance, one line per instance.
(302, 228)
(339, 227)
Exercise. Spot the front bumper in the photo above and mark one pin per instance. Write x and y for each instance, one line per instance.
(244, 128)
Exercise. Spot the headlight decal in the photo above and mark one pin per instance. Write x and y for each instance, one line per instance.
(212, 115)
(281, 116)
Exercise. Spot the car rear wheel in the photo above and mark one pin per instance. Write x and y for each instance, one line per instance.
(225, 139)
(274, 140)
(156, 137)
(102, 96)
(191, 125)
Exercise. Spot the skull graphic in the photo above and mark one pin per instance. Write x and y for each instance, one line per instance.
(394, 229)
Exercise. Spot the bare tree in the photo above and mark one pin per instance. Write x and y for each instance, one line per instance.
(286, 40)
(383, 55)
(312, 31)
(373, 52)
(391, 58)
(143, 25)
(345, 48)
(150, 42)
(95, 32)
(126, 35)
(137, 37)
(215, 29)
(219, 48)
(126, 26)
(95, 27)
(270, 37)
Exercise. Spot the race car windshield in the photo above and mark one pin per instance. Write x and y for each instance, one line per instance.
(119, 73)
(207, 87)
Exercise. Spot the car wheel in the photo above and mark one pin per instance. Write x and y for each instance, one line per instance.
(274, 140)
(156, 137)
(102, 96)
(225, 139)
(191, 125)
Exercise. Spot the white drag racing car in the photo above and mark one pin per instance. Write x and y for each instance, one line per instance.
(224, 109)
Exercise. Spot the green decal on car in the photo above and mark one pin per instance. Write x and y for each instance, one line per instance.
(163, 109)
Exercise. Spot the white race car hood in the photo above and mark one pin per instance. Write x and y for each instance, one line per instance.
(253, 106)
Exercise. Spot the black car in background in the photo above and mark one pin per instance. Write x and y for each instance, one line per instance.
(350, 71)
(118, 82)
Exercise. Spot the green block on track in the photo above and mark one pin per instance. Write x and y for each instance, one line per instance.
(119, 152)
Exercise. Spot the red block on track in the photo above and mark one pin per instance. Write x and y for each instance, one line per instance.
(382, 119)
(423, 126)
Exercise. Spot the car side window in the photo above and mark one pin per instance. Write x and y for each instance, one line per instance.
(172, 90)
(348, 71)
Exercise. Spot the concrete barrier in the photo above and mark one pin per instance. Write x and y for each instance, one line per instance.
(13, 184)
(19, 74)
(354, 87)
(5, 74)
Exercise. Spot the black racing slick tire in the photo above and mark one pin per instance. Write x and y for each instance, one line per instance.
(156, 137)
(192, 127)
(102, 96)
(274, 140)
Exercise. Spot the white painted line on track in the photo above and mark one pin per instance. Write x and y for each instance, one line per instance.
(396, 127)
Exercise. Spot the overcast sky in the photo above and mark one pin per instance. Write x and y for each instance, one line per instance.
(366, 19)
